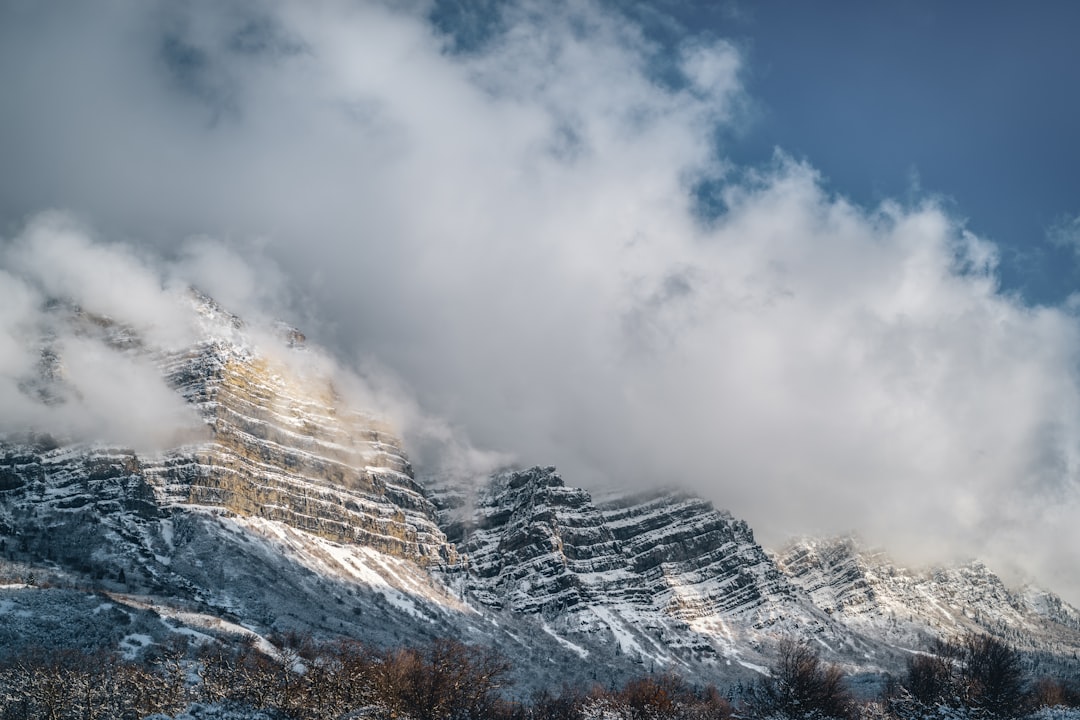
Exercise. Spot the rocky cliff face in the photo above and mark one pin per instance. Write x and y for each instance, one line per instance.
(694, 561)
(536, 545)
(671, 580)
(663, 575)
(285, 447)
(906, 607)
(278, 443)
(289, 507)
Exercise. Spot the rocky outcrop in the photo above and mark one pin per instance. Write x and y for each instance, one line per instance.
(536, 545)
(286, 447)
(905, 607)
(279, 443)
(663, 574)
(293, 508)
(667, 576)
(693, 560)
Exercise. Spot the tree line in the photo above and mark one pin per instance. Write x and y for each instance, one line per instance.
(973, 677)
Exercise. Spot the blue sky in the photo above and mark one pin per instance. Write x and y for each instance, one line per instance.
(976, 102)
(972, 102)
(501, 229)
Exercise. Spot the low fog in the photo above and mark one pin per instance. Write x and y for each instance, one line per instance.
(59, 375)
(539, 240)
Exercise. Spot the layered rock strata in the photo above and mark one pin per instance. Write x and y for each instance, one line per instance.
(278, 443)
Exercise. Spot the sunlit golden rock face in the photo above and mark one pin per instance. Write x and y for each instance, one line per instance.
(278, 442)
(285, 447)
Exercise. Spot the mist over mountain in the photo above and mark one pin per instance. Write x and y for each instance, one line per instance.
(268, 513)
(533, 244)
(287, 507)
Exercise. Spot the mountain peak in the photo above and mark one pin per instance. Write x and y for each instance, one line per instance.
(291, 484)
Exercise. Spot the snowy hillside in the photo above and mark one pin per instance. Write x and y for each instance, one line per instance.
(905, 607)
(291, 509)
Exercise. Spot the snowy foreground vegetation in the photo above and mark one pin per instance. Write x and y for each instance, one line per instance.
(975, 677)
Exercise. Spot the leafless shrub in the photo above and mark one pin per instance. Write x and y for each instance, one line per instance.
(802, 686)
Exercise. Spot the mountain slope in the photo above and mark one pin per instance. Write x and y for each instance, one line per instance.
(666, 577)
(905, 607)
(290, 508)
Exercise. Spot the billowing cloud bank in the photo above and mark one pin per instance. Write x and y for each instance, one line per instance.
(517, 231)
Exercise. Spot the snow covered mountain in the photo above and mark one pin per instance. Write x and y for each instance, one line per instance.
(867, 592)
(292, 509)
(673, 581)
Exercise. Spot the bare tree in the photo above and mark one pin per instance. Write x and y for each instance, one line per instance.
(800, 686)
(993, 676)
(977, 671)
(446, 680)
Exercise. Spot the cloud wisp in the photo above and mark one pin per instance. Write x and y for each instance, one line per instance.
(86, 326)
(73, 308)
(517, 230)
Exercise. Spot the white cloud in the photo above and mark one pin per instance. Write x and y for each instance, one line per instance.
(242, 280)
(1065, 232)
(18, 304)
(119, 398)
(58, 373)
(60, 257)
(512, 231)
